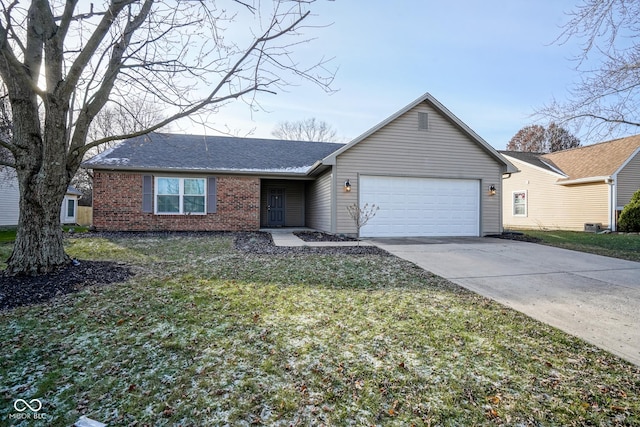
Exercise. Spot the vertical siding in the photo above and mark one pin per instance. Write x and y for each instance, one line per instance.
(9, 197)
(294, 198)
(319, 203)
(402, 149)
(554, 206)
(628, 181)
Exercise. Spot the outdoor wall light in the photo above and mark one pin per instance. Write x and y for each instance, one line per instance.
(347, 186)
(492, 190)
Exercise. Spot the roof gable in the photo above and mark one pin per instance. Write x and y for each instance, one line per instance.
(434, 103)
(166, 152)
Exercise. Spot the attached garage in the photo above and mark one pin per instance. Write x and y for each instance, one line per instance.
(429, 173)
(421, 206)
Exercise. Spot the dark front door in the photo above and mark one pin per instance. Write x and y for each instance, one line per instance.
(275, 207)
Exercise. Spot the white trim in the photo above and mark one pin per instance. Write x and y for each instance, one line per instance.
(555, 169)
(516, 160)
(587, 180)
(526, 203)
(180, 195)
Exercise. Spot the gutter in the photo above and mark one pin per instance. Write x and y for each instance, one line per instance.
(591, 179)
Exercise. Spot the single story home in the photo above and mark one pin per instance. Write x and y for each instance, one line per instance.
(428, 172)
(570, 188)
(10, 201)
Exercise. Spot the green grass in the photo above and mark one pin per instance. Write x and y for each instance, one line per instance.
(204, 335)
(622, 246)
(8, 236)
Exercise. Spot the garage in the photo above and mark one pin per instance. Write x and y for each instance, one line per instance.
(421, 206)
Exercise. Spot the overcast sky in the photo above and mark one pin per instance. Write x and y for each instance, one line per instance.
(490, 62)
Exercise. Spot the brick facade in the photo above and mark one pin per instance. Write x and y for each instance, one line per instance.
(117, 206)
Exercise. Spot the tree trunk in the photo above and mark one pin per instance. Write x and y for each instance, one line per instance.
(38, 248)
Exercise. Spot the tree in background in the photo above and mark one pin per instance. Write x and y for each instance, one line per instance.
(115, 119)
(305, 130)
(538, 139)
(607, 95)
(62, 62)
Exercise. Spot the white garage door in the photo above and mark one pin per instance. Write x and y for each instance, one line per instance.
(421, 206)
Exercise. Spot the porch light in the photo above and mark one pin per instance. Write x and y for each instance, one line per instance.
(347, 186)
(492, 190)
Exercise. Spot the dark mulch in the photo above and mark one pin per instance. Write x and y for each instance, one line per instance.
(261, 243)
(508, 235)
(25, 290)
(318, 236)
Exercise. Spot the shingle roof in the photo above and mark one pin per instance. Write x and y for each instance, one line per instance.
(162, 151)
(597, 160)
(534, 159)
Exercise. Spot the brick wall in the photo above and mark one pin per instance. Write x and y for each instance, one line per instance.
(117, 206)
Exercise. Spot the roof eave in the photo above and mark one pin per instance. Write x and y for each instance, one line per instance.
(586, 180)
(256, 172)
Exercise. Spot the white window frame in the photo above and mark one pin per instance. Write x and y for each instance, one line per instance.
(180, 194)
(513, 203)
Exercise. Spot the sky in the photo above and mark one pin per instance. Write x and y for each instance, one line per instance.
(492, 63)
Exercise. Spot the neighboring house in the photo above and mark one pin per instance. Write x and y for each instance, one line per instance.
(10, 201)
(429, 173)
(570, 188)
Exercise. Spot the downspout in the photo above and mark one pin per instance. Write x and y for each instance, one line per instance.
(612, 203)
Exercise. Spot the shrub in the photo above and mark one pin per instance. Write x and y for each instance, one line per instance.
(629, 220)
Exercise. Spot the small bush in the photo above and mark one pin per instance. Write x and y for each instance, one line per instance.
(629, 220)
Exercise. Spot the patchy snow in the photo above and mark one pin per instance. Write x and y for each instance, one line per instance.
(103, 158)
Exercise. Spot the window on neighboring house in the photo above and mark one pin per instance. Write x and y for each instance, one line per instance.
(71, 208)
(519, 203)
(183, 196)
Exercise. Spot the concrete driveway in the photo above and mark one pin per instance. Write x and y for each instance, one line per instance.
(593, 297)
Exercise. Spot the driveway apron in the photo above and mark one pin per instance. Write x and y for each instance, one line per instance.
(593, 297)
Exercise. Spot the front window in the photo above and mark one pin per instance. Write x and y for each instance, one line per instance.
(180, 196)
(519, 203)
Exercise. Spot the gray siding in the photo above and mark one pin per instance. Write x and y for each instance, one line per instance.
(319, 203)
(401, 149)
(294, 197)
(628, 181)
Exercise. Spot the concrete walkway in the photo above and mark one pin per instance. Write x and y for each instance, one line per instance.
(285, 237)
(592, 297)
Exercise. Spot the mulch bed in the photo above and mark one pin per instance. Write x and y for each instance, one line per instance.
(25, 290)
(318, 236)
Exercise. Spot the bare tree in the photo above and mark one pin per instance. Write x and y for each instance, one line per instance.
(62, 62)
(362, 215)
(538, 139)
(305, 130)
(607, 97)
(530, 138)
(113, 120)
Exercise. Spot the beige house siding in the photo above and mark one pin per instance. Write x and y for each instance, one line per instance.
(294, 199)
(401, 149)
(553, 206)
(319, 203)
(628, 181)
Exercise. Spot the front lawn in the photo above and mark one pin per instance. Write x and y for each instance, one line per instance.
(624, 246)
(205, 334)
